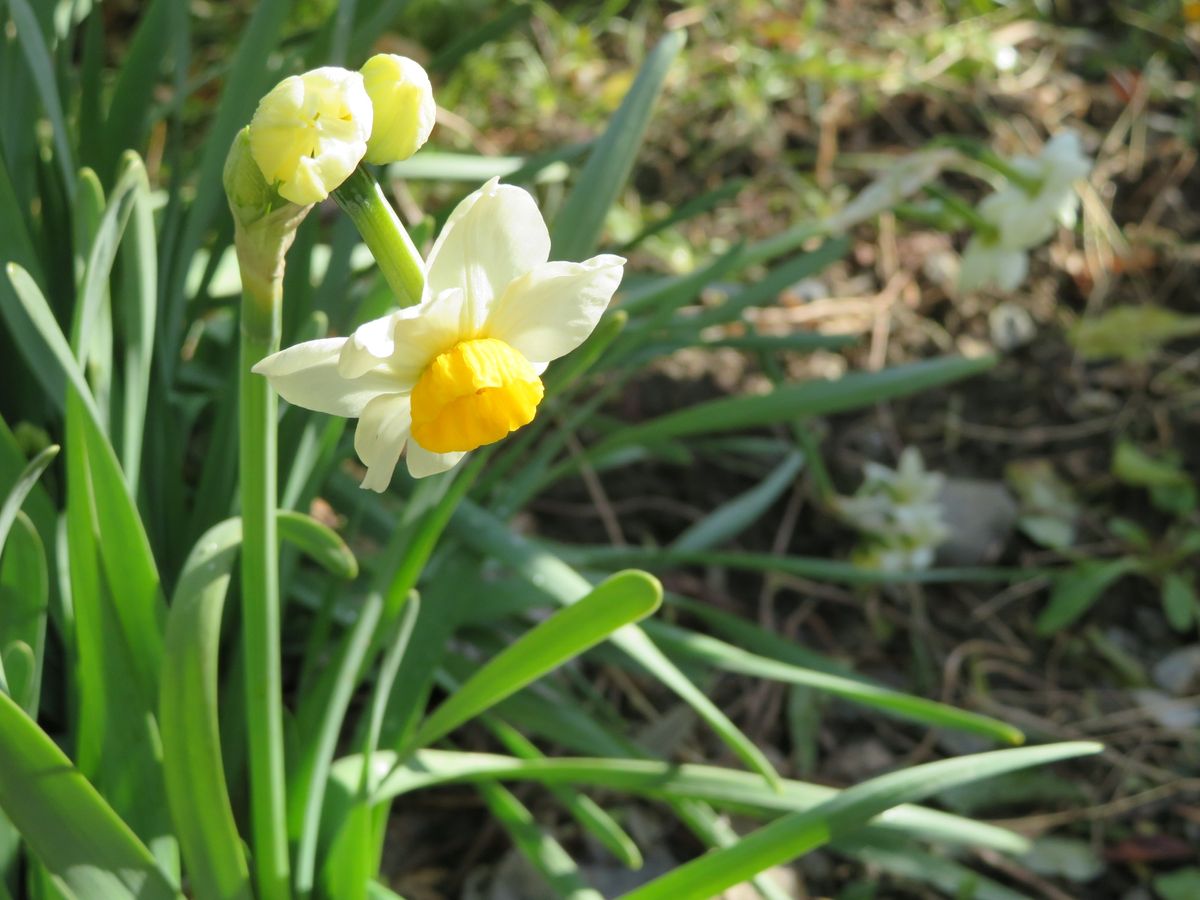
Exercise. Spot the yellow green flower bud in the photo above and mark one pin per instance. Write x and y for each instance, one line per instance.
(404, 109)
(310, 132)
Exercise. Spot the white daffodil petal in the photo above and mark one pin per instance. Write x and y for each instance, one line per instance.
(494, 236)
(422, 462)
(306, 375)
(551, 310)
(380, 437)
(1011, 267)
(370, 345)
(420, 333)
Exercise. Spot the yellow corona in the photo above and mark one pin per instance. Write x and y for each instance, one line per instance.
(473, 394)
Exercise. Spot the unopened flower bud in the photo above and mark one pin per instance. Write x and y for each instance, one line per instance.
(404, 109)
(310, 132)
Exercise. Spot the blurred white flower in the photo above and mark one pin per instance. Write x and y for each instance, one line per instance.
(461, 369)
(1004, 57)
(1025, 215)
(1027, 218)
(898, 513)
(987, 263)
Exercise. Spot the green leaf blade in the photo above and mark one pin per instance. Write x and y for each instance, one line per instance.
(579, 223)
(798, 833)
(197, 794)
(67, 824)
(619, 601)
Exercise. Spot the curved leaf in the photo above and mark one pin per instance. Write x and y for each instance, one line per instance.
(320, 542)
(195, 775)
(798, 833)
(64, 820)
(727, 788)
(488, 535)
(578, 225)
(618, 601)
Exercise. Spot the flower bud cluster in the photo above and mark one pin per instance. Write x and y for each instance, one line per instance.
(898, 515)
(311, 131)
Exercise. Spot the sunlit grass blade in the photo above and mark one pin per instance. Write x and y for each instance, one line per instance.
(794, 401)
(542, 850)
(136, 310)
(434, 165)
(118, 610)
(730, 658)
(195, 776)
(41, 66)
(798, 833)
(620, 600)
(489, 536)
(817, 568)
(65, 822)
(727, 788)
(580, 221)
(735, 515)
(718, 832)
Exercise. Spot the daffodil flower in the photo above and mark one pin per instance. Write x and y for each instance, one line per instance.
(462, 368)
(402, 97)
(310, 132)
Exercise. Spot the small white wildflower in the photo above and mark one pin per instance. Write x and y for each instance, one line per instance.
(898, 513)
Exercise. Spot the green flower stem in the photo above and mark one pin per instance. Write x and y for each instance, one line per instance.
(362, 198)
(261, 261)
(985, 229)
(1030, 185)
(987, 156)
(384, 603)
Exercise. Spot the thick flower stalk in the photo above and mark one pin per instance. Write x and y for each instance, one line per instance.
(1040, 197)
(264, 228)
(462, 368)
(311, 131)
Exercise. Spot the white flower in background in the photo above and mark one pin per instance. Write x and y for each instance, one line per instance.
(310, 132)
(990, 263)
(461, 369)
(1027, 218)
(404, 107)
(898, 513)
(1023, 216)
